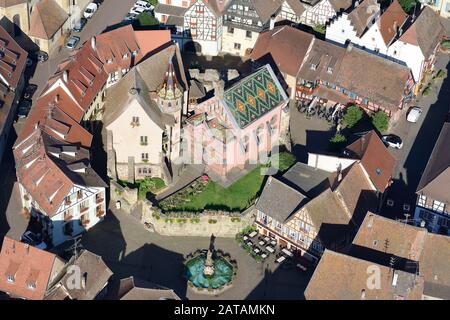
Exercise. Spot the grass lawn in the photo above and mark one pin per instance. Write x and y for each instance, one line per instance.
(238, 196)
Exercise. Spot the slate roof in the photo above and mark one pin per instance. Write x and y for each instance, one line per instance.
(46, 19)
(343, 277)
(435, 180)
(254, 96)
(95, 273)
(306, 179)
(278, 200)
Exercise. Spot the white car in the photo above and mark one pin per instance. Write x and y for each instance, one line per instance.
(144, 4)
(138, 10)
(90, 10)
(414, 114)
(392, 140)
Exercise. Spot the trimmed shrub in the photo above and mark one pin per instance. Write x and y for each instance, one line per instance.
(380, 121)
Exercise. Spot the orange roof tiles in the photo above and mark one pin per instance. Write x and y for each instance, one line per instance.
(393, 18)
(375, 158)
(28, 268)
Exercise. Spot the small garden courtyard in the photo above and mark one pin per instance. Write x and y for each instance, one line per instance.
(206, 194)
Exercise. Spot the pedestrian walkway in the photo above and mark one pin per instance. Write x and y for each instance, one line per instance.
(189, 174)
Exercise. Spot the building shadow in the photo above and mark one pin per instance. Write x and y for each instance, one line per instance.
(316, 142)
(285, 282)
(149, 262)
(8, 174)
(425, 140)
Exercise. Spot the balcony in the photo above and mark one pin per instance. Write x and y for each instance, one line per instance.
(68, 217)
(84, 209)
(85, 222)
(99, 200)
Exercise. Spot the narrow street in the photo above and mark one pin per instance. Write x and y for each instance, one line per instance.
(418, 142)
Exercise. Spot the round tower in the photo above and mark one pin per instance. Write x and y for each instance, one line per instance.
(170, 94)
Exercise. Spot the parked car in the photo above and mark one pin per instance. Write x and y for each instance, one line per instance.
(79, 25)
(90, 10)
(29, 91)
(41, 56)
(72, 42)
(392, 140)
(414, 114)
(33, 240)
(138, 10)
(24, 108)
(144, 4)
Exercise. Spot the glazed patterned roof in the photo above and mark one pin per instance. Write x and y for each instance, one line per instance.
(254, 96)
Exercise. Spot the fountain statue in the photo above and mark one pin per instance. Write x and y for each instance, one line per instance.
(208, 269)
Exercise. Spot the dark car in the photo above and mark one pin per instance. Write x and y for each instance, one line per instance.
(24, 108)
(41, 56)
(392, 141)
(79, 25)
(29, 91)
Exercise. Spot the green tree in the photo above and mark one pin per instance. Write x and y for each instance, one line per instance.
(353, 115)
(337, 142)
(380, 121)
(446, 44)
(408, 5)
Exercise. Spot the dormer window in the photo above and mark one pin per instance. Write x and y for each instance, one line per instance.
(125, 56)
(10, 278)
(134, 53)
(31, 285)
(313, 66)
(330, 70)
(109, 61)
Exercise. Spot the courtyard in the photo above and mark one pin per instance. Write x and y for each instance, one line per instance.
(130, 250)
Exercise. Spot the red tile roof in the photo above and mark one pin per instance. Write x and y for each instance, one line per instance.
(118, 45)
(375, 158)
(85, 76)
(393, 18)
(28, 266)
(49, 113)
(46, 19)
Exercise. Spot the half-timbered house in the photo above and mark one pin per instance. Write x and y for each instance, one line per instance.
(243, 20)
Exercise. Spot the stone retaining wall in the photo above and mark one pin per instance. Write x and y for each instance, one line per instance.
(219, 223)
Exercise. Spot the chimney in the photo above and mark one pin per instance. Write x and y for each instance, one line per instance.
(27, 248)
(349, 47)
(93, 43)
(356, 3)
(84, 280)
(422, 224)
(272, 22)
(395, 26)
(57, 98)
(363, 294)
(66, 76)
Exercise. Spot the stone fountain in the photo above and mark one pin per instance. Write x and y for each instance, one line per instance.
(208, 269)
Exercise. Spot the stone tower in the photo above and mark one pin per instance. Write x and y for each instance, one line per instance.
(170, 101)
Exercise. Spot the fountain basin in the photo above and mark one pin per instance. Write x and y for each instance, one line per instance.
(222, 276)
